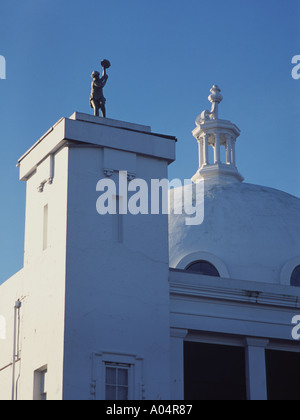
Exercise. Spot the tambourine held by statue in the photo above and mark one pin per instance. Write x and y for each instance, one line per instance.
(105, 64)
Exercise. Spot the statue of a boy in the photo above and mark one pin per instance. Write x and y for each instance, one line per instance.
(97, 99)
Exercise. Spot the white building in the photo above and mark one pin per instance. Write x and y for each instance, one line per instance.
(130, 307)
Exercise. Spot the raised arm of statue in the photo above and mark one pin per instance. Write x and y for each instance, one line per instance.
(104, 79)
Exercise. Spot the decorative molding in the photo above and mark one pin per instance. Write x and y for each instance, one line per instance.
(49, 180)
(131, 176)
(179, 333)
(205, 256)
(287, 270)
(41, 186)
(221, 293)
(108, 172)
(256, 342)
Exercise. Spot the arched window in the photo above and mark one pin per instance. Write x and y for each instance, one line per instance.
(203, 267)
(295, 277)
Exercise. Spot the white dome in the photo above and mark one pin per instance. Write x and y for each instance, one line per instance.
(249, 232)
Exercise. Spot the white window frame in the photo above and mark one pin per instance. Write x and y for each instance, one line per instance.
(40, 385)
(117, 367)
(132, 362)
(203, 256)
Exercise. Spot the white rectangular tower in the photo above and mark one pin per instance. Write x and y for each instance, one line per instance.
(94, 288)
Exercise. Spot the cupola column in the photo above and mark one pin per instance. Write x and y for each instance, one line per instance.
(217, 147)
(228, 149)
(201, 154)
(233, 160)
(205, 149)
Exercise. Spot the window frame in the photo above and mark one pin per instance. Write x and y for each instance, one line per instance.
(203, 256)
(135, 379)
(39, 384)
(118, 367)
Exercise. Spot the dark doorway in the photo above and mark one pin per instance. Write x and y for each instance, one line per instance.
(283, 375)
(214, 372)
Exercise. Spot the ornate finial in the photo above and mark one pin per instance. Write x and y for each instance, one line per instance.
(215, 98)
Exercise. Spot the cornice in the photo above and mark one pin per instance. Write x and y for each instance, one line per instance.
(243, 296)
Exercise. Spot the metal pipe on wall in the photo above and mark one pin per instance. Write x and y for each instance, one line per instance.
(17, 307)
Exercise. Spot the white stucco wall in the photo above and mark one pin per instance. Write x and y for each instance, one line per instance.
(117, 295)
(85, 296)
(40, 286)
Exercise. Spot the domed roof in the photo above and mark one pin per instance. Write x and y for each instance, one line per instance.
(249, 232)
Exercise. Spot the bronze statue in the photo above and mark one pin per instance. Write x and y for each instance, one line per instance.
(97, 99)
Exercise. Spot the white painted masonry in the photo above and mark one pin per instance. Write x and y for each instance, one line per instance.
(99, 292)
(2, 328)
(82, 291)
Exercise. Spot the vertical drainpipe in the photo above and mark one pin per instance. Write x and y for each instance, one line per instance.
(17, 307)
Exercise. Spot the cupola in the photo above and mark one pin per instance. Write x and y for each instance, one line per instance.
(221, 136)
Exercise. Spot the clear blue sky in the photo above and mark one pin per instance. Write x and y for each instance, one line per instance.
(165, 55)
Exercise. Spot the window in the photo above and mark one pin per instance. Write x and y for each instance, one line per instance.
(295, 277)
(116, 381)
(203, 267)
(39, 391)
(116, 376)
(283, 375)
(214, 372)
